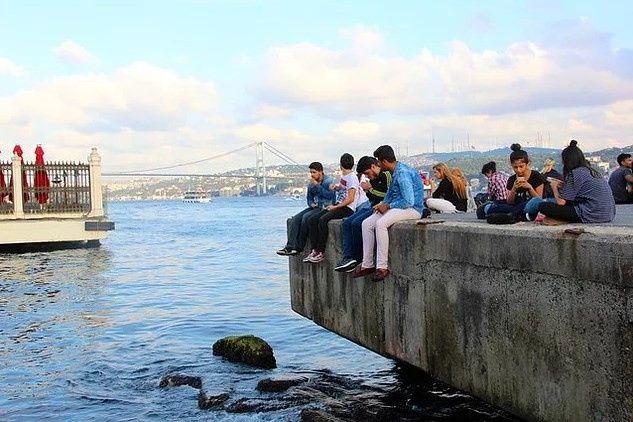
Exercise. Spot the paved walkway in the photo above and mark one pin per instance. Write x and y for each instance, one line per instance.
(623, 216)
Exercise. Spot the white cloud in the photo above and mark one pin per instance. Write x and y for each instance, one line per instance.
(354, 130)
(363, 38)
(72, 52)
(7, 67)
(522, 77)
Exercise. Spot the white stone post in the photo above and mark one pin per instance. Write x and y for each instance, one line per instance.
(96, 198)
(18, 189)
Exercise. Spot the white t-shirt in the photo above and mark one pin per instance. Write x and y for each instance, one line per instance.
(345, 184)
(361, 195)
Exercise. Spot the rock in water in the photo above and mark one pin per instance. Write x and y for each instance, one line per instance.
(274, 385)
(211, 402)
(250, 350)
(178, 380)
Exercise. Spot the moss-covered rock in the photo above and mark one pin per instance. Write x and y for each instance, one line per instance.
(249, 349)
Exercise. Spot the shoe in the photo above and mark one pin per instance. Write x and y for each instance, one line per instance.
(310, 255)
(361, 272)
(381, 274)
(284, 251)
(317, 257)
(352, 268)
(345, 264)
(539, 218)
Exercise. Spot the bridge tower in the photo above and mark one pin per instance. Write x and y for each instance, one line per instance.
(260, 169)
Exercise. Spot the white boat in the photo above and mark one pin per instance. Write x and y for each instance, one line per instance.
(196, 197)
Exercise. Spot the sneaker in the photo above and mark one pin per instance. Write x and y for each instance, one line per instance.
(284, 251)
(539, 218)
(345, 264)
(352, 267)
(310, 255)
(317, 257)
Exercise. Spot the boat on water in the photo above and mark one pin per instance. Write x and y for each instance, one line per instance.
(196, 197)
(53, 205)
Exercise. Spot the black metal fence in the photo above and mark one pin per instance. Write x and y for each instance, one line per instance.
(52, 188)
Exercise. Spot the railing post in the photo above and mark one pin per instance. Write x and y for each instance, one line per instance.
(96, 198)
(18, 189)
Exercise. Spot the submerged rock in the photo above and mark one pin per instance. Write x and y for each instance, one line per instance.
(277, 384)
(178, 380)
(211, 402)
(250, 350)
(313, 415)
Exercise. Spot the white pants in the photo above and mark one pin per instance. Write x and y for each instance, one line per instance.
(375, 230)
(441, 205)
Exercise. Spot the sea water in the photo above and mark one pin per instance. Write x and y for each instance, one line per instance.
(87, 334)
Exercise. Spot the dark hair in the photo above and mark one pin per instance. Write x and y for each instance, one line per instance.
(316, 166)
(365, 163)
(572, 158)
(347, 161)
(518, 154)
(489, 166)
(622, 157)
(385, 152)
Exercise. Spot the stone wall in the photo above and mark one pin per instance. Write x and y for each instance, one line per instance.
(530, 318)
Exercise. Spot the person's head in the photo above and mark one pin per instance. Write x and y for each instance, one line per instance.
(519, 160)
(548, 165)
(457, 172)
(386, 157)
(572, 158)
(368, 166)
(316, 171)
(441, 170)
(625, 160)
(489, 168)
(347, 161)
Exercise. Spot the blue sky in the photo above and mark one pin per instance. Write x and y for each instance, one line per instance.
(154, 83)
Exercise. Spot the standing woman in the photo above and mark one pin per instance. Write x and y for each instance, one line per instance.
(450, 195)
(525, 185)
(583, 197)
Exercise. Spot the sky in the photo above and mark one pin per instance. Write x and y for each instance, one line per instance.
(160, 83)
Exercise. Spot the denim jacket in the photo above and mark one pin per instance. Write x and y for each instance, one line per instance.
(321, 194)
(406, 190)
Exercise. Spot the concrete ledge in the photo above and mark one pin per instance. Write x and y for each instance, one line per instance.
(531, 318)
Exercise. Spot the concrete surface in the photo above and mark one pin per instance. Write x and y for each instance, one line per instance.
(534, 319)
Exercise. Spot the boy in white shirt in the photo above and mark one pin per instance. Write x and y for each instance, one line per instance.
(347, 194)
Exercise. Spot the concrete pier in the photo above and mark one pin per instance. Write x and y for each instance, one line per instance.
(536, 320)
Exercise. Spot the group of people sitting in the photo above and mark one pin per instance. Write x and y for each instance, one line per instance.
(384, 191)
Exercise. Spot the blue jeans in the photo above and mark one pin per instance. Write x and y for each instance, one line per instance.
(353, 234)
(299, 227)
(532, 205)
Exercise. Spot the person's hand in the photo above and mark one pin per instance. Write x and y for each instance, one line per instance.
(382, 208)
(334, 186)
(518, 184)
(313, 182)
(555, 183)
(365, 185)
(331, 207)
(313, 205)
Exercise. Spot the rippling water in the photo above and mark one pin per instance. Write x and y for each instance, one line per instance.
(87, 334)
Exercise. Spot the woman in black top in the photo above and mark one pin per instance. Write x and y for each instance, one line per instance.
(526, 185)
(450, 195)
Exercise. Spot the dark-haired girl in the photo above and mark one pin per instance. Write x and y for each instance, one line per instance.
(526, 185)
(584, 196)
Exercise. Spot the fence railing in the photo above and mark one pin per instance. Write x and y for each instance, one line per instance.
(54, 189)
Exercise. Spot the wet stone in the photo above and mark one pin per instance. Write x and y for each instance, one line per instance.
(212, 402)
(313, 415)
(249, 349)
(178, 380)
(277, 384)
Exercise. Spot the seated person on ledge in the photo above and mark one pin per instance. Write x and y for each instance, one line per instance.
(584, 196)
(450, 195)
(621, 180)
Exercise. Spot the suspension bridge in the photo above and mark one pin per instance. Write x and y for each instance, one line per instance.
(261, 178)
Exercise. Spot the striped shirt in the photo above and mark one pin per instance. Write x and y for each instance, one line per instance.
(592, 197)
